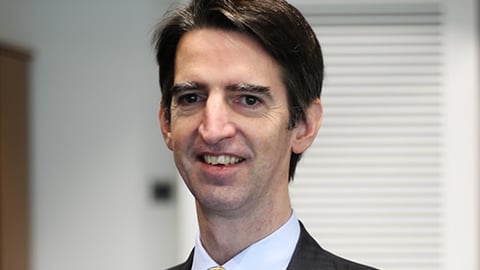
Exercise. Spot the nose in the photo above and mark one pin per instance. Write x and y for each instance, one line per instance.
(217, 122)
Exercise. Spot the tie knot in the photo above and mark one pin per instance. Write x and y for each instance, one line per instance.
(216, 268)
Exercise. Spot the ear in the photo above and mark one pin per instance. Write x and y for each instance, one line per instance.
(165, 126)
(307, 130)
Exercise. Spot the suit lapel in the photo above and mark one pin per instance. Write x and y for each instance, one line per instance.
(308, 254)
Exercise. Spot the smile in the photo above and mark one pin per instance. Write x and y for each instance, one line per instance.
(221, 160)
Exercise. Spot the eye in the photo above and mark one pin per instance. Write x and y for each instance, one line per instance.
(188, 99)
(249, 100)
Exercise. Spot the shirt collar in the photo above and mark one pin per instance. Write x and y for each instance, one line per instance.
(272, 252)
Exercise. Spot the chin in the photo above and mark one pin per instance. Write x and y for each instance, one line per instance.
(219, 204)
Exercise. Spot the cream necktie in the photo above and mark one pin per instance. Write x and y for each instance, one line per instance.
(216, 268)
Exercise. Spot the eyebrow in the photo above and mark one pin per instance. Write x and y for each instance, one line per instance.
(239, 87)
(250, 88)
(186, 86)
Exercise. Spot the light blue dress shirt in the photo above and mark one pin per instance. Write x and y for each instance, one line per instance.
(273, 252)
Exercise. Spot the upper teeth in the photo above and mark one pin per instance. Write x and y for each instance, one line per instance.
(222, 160)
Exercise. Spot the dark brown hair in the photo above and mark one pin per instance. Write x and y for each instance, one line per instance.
(275, 24)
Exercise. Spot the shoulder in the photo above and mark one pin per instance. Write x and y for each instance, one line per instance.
(187, 265)
(309, 255)
(344, 264)
(179, 267)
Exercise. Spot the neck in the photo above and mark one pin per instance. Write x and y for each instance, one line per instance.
(224, 236)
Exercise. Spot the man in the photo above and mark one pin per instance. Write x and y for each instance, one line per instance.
(241, 83)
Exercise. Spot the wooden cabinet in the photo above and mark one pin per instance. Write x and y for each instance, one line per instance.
(14, 173)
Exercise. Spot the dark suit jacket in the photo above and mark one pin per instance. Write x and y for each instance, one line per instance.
(308, 255)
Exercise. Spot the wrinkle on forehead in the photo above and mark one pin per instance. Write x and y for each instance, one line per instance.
(220, 48)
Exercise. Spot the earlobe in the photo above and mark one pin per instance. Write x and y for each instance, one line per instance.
(306, 131)
(165, 126)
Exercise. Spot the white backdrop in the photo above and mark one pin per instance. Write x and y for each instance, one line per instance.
(96, 145)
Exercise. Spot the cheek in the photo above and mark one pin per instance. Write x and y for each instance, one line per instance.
(276, 140)
(182, 133)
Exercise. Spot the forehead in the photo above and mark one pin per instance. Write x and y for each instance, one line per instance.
(214, 50)
(214, 38)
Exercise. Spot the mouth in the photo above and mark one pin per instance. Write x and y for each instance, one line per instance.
(221, 160)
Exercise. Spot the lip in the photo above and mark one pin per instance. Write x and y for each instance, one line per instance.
(221, 160)
(219, 171)
(201, 158)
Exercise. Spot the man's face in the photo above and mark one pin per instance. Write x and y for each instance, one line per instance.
(229, 122)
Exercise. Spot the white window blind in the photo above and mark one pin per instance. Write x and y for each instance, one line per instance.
(371, 186)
